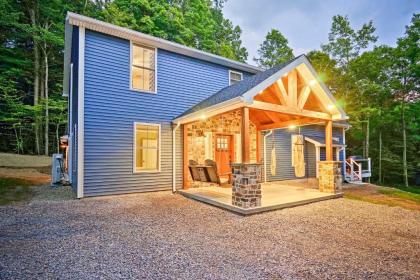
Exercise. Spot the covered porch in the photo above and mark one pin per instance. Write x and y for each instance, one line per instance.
(228, 131)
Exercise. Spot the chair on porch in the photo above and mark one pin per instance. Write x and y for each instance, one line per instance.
(213, 173)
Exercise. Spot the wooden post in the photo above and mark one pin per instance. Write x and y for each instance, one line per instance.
(258, 145)
(185, 172)
(245, 135)
(328, 141)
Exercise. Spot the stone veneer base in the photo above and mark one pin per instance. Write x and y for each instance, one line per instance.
(246, 185)
(330, 178)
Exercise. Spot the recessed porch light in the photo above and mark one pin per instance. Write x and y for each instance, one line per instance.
(312, 82)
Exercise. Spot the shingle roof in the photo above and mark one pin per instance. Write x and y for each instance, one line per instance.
(237, 89)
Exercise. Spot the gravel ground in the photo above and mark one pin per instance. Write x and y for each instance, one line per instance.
(164, 236)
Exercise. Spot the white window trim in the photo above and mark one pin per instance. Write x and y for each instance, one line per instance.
(235, 72)
(134, 147)
(131, 68)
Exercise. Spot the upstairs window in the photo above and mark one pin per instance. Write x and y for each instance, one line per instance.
(146, 147)
(143, 68)
(234, 77)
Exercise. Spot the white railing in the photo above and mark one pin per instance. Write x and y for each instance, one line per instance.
(356, 169)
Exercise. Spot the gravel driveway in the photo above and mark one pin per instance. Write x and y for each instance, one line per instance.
(164, 236)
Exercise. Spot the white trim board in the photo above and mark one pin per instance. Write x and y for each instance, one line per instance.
(81, 114)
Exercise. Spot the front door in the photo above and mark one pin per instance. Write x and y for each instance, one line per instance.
(224, 153)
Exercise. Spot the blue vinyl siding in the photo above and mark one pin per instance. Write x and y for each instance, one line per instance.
(281, 139)
(75, 60)
(111, 109)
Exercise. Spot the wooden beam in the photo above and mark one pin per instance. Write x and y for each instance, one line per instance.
(321, 96)
(284, 124)
(328, 141)
(289, 110)
(292, 88)
(245, 135)
(304, 94)
(259, 141)
(186, 183)
(282, 91)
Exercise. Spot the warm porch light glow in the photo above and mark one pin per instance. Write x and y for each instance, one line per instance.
(330, 106)
(292, 127)
(312, 82)
(203, 117)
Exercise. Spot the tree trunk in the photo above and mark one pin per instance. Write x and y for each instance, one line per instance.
(404, 145)
(57, 137)
(380, 157)
(33, 15)
(46, 100)
(367, 140)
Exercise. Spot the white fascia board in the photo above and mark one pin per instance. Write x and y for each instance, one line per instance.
(68, 34)
(211, 111)
(250, 94)
(326, 90)
(114, 30)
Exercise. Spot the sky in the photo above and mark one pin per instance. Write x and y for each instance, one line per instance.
(306, 23)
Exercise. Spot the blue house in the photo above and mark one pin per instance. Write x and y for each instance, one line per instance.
(143, 109)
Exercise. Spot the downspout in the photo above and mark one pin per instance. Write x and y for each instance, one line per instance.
(265, 155)
(174, 157)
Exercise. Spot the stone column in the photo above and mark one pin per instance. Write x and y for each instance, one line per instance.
(246, 184)
(329, 176)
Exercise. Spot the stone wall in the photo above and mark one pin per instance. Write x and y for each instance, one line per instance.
(201, 144)
(246, 185)
(330, 178)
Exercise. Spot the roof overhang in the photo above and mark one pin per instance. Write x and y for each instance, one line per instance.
(211, 111)
(125, 33)
(320, 144)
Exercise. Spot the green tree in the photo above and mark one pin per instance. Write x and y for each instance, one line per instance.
(274, 50)
(407, 78)
(345, 43)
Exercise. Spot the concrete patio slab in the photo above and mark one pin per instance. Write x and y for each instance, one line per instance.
(275, 196)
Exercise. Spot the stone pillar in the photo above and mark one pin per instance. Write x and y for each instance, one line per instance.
(246, 184)
(329, 176)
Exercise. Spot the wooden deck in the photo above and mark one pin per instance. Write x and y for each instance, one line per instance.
(276, 195)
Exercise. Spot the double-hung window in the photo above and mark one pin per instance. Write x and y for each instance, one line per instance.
(234, 77)
(146, 147)
(143, 68)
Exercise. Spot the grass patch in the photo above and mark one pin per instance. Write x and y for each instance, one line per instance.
(14, 190)
(401, 194)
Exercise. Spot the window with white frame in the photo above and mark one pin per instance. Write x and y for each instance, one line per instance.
(143, 68)
(146, 147)
(234, 77)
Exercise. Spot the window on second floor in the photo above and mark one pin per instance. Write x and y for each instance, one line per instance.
(143, 68)
(234, 77)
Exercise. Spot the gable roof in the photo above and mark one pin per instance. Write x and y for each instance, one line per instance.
(243, 92)
(237, 89)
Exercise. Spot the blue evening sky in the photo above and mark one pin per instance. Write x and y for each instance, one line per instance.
(306, 23)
